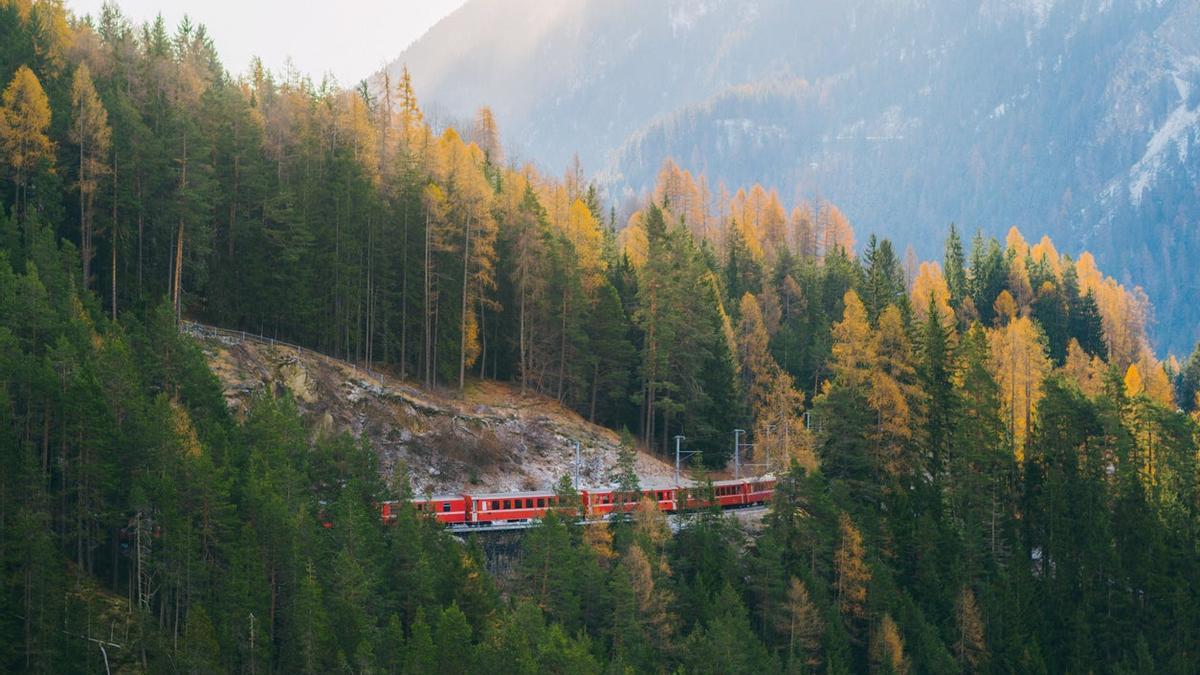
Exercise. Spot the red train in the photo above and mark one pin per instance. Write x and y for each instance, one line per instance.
(481, 509)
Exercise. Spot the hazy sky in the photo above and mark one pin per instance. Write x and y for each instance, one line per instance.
(349, 38)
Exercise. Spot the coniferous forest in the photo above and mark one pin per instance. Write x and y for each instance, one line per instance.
(984, 466)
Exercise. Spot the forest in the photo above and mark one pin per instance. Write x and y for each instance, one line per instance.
(984, 466)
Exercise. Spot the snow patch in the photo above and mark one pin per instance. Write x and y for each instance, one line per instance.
(1175, 128)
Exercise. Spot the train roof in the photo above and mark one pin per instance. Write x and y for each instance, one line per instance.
(510, 495)
(687, 483)
(436, 498)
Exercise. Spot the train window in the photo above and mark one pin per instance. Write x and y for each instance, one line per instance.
(507, 504)
(529, 503)
(541, 502)
(446, 507)
(495, 504)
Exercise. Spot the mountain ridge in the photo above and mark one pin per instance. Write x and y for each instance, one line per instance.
(906, 119)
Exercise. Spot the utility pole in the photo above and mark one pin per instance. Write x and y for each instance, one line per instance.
(677, 440)
(679, 455)
(577, 465)
(737, 451)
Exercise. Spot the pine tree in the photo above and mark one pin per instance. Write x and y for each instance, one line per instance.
(956, 276)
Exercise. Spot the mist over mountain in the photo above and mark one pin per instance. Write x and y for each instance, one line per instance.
(1072, 117)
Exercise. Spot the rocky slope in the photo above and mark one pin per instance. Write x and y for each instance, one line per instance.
(493, 439)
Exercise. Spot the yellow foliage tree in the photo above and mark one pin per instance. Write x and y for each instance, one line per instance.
(893, 388)
(1123, 313)
(971, 646)
(632, 241)
(887, 648)
(804, 232)
(1005, 308)
(853, 575)
(930, 288)
(583, 231)
(1085, 370)
(24, 118)
(854, 349)
(1019, 363)
(1016, 244)
(1133, 381)
(1156, 383)
(776, 406)
(804, 624)
(835, 229)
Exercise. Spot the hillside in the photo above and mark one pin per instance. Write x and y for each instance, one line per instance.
(494, 439)
(1073, 117)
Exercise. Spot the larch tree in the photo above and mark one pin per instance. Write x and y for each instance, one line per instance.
(487, 136)
(1085, 370)
(24, 120)
(852, 574)
(846, 420)
(855, 351)
(776, 406)
(970, 649)
(1019, 364)
(887, 648)
(91, 134)
(804, 232)
(930, 289)
(895, 396)
(836, 232)
(804, 625)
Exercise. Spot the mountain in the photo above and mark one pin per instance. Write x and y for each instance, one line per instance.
(1072, 117)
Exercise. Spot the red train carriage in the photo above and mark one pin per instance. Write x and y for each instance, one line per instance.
(504, 507)
(449, 509)
(730, 493)
(603, 501)
(760, 490)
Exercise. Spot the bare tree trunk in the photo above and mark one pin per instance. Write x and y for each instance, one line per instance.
(524, 346)
(141, 234)
(462, 334)
(84, 235)
(562, 348)
(595, 382)
(404, 299)
(113, 237)
(179, 236)
(427, 312)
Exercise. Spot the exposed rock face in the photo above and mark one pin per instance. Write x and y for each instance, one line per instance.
(493, 439)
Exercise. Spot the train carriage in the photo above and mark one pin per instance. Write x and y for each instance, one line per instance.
(507, 507)
(602, 502)
(449, 509)
(760, 490)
